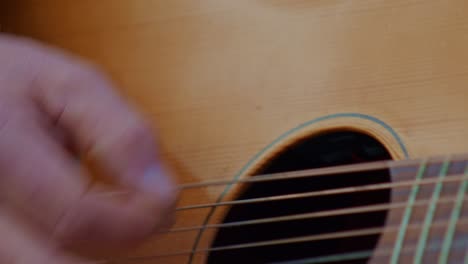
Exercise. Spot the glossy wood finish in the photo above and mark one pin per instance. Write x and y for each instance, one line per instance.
(224, 79)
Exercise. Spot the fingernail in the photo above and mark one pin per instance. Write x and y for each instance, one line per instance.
(157, 181)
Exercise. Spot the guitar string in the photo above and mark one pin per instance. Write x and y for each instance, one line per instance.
(432, 202)
(354, 255)
(340, 169)
(290, 175)
(309, 173)
(420, 249)
(317, 172)
(323, 214)
(328, 213)
(381, 252)
(293, 240)
(330, 236)
(212, 210)
(322, 193)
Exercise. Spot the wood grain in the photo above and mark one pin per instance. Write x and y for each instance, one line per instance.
(223, 79)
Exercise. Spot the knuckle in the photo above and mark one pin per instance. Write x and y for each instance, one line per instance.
(130, 136)
(72, 82)
(83, 72)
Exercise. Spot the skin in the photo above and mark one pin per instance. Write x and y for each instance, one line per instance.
(54, 106)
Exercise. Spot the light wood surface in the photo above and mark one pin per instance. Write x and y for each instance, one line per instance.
(224, 79)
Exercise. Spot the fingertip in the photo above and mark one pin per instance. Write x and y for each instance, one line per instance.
(159, 183)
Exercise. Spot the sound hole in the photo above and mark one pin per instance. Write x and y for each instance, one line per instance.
(330, 149)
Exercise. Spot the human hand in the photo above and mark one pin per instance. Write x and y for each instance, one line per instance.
(50, 101)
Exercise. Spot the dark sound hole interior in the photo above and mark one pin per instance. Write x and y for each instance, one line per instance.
(330, 149)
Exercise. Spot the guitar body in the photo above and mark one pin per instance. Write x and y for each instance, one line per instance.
(234, 85)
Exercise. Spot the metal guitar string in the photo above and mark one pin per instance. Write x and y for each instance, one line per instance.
(370, 187)
(309, 238)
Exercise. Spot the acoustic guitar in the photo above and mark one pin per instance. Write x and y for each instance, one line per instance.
(303, 131)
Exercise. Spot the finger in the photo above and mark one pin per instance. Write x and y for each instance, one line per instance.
(84, 102)
(41, 179)
(21, 246)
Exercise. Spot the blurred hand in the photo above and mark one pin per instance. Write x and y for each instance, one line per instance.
(50, 101)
